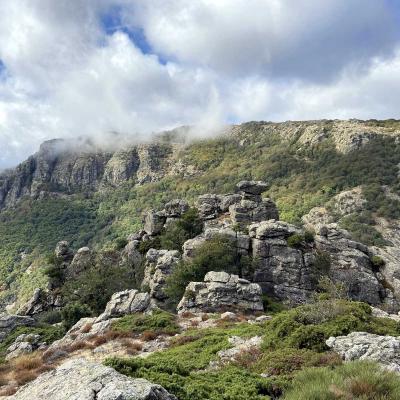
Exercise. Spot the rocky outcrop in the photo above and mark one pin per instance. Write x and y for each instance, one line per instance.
(9, 322)
(84, 380)
(159, 265)
(68, 166)
(23, 344)
(126, 302)
(289, 270)
(40, 302)
(367, 346)
(83, 260)
(221, 291)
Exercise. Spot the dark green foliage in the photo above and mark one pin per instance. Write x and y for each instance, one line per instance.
(295, 240)
(73, 312)
(184, 228)
(95, 286)
(309, 236)
(377, 262)
(356, 381)
(271, 306)
(160, 322)
(217, 254)
(146, 245)
(177, 370)
(359, 225)
(120, 243)
(51, 317)
(322, 262)
(54, 270)
(308, 326)
(288, 361)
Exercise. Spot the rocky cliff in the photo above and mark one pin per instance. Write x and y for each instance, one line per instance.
(70, 166)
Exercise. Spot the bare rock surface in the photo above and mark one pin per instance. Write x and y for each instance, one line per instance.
(367, 346)
(220, 291)
(78, 379)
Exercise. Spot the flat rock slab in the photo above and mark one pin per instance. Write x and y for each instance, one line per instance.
(83, 380)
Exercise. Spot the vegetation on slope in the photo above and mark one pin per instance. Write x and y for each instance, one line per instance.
(300, 178)
(293, 362)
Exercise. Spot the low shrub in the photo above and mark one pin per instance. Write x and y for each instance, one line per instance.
(295, 240)
(309, 326)
(354, 380)
(159, 322)
(377, 262)
(73, 312)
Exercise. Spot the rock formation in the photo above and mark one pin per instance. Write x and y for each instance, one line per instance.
(367, 346)
(221, 291)
(84, 380)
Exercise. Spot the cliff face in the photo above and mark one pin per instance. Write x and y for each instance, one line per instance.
(62, 166)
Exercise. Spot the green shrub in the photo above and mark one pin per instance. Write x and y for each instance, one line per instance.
(48, 334)
(50, 317)
(354, 380)
(308, 326)
(120, 243)
(377, 262)
(95, 286)
(73, 312)
(217, 254)
(295, 240)
(309, 236)
(271, 306)
(322, 262)
(160, 322)
(146, 245)
(288, 361)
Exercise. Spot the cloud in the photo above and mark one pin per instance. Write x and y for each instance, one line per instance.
(91, 67)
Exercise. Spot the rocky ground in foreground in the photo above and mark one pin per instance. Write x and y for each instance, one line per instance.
(247, 306)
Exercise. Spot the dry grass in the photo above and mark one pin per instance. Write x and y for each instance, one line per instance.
(146, 336)
(27, 362)
(86, 328)
(194, 323)
(8, 391)
(24, 376)
(132, 347)
(183, 339)
(187, 314)
(98, 340)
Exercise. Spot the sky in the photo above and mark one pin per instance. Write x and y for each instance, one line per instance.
(90, 67)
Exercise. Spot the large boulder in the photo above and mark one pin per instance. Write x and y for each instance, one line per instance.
(154, 222)
(126, 302)
(252, 187)
(83, 259)
(221, 291)
(367, 346)
(159, 265)
(78, 379)
(175, 208)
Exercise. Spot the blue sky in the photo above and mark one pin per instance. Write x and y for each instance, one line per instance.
(95, 66)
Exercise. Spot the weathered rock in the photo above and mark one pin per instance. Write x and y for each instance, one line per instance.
(221, 291)
(154, 222)
(125, 302)
(208, 206)
(175, 208)
(239, 345)
(377, 312)
(131, 256)
(248, 211)
(316, 217)
(63, 251)
(79, 379)
(367, 346)
(349, 201)
(9, 322)
(25, 343)
(159, 265)
(252, 187)
(83, 259)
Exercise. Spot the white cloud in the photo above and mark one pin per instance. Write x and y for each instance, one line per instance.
(227, 60)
